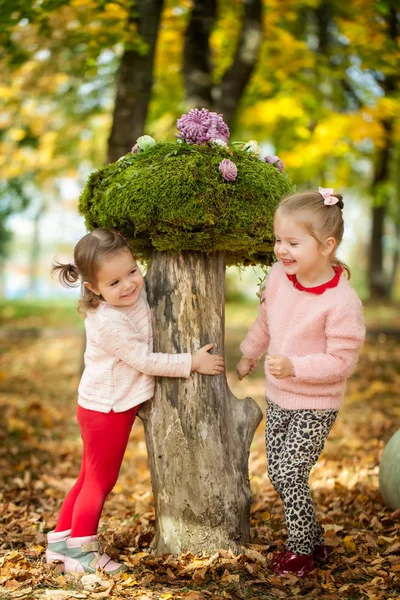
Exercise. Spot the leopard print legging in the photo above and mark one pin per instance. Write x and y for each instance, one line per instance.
(294, 440)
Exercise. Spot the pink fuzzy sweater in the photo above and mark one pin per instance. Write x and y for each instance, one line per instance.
(320, 334)
(120, 364)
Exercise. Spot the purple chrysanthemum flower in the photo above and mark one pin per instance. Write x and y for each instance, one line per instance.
(228, 169)
(275, 161)
(202, 126)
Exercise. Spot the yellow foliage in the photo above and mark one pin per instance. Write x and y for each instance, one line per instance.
(86, 5)
(163, 126)
(363, 126)
(6, 92)
(302, 132)
(334, 135)
(115, 11)
(387, 107)
(282, 108)
(170, 36)
(270, 112)
(16, 135)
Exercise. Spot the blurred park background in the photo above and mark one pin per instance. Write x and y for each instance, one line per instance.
(315, 82)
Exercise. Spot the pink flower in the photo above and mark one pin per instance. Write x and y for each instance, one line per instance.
(228, 169)
(275, 161)
(202, 126)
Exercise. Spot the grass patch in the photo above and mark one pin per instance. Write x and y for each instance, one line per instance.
(239, 315)
(36, 314)
(383, 314)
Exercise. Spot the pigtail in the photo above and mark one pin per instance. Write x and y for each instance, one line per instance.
(67, 274)
(340, 204)
(89, 253)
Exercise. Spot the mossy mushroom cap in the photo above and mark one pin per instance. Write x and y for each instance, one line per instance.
(172, 197)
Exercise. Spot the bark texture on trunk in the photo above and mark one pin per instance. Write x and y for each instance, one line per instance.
(377, 277)
(239, 73)
(197, 67)
(135, 81)
(197, 59)
(198, 434)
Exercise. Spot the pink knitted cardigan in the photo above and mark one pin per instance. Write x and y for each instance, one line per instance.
(320, 334)
(120, 364)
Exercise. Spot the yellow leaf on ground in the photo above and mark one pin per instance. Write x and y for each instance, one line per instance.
(228, 577)
(265, 515)
(349, 543)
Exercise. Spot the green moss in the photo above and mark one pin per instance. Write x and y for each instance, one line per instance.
(173, 198)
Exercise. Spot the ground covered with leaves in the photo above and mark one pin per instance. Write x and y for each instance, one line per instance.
(40, 455)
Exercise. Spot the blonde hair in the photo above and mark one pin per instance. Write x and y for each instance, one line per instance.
(89, 254)
(318, 219)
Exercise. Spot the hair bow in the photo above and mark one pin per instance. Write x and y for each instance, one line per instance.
(327, 194)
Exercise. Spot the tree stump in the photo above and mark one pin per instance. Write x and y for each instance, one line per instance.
(198, 433)
(190, 206)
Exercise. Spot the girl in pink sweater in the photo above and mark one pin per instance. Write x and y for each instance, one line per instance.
(311, 326)
(119, 375)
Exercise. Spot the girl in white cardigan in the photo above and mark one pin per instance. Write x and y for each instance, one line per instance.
(120, 366)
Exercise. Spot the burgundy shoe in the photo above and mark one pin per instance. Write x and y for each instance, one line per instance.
(277, 559)
(321, 554)
(297, 564)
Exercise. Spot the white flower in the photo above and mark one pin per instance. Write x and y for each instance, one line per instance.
(219, 142)
(252, 147)
(145, 142)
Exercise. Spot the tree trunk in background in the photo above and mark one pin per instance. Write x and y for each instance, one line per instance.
(35, 250)
(396, 251)
(197, 67)
(2, 279)
(135, 81)
(238, 75)
(198, 434)
(378, 280)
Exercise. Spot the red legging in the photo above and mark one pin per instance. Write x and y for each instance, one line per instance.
(105, 437)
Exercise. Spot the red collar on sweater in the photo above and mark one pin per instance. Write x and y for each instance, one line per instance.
(319, 289)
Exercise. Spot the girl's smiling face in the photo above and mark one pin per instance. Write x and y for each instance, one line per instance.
(119, 280)
(301, 253)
